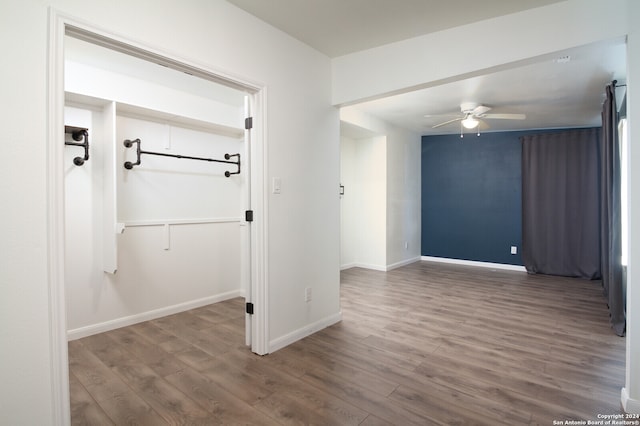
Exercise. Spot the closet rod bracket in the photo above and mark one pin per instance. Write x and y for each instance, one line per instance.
(78, 134)
(237, 162)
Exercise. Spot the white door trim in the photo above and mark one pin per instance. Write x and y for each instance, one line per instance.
(59, 24)
(259, 236)
(58, 355)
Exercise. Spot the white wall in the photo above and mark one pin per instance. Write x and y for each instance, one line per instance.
(302, 136)
(25, 372)
(104, 73)
(176, 189)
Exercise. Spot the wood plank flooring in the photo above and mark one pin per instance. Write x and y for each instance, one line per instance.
(426, 344)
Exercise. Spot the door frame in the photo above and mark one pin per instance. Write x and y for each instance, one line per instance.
(59, 25)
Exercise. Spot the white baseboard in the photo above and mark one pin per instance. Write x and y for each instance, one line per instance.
(630, 406)
(403, 263)
(381, 268)
(476, 263)
(90, 330)
(303, 332)
(348, 266)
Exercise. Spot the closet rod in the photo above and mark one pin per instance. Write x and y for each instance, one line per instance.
(129, 165)
(77, 134)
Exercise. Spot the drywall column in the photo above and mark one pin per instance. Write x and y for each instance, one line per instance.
(631, 391)
(348, 204)
(403, 202)
(364, 203)
(371, 196)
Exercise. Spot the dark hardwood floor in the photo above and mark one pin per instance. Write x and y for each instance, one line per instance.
(426, 344)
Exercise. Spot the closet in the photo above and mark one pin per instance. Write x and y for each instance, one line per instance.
(156, 186)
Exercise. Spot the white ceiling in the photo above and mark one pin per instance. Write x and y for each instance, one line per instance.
(562, 90)
(339, 27)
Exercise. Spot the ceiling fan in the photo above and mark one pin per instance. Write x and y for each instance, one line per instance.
(472, 113)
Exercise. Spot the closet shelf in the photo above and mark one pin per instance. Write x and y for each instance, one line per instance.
(166, 117)
(141, 113)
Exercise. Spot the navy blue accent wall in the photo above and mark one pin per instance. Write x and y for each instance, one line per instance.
(471, 196)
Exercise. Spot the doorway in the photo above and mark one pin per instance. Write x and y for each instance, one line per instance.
(153, 227)
(114, 114)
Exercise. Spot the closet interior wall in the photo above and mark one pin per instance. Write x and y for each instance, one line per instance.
(167, 235)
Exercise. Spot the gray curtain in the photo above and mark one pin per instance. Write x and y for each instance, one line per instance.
(560, 203)
(610, 238)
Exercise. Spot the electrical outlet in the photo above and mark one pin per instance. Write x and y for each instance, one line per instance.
(307, 294)
(514, 250)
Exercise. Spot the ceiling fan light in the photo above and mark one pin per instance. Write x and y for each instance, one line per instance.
(470, 122)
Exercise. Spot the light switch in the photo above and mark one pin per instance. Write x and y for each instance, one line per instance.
(277, 185)
(514, 250)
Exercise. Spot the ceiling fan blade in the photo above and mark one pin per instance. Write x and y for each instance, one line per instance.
(505, 116)
(480, 109)
(453, 114)
(448, 122)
